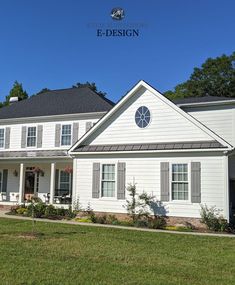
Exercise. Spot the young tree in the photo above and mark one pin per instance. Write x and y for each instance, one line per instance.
(16, 91)
(216, 77)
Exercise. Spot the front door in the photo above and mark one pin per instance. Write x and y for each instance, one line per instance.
(29, 185)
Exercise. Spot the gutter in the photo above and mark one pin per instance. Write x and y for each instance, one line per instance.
(204, 104)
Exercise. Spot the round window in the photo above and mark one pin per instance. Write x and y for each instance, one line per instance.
(142, 117)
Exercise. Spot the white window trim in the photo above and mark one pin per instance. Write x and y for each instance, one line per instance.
(70, 181)
(114, 198)
(189, 183)
(4, 141)
(69, 124)
(27, 136)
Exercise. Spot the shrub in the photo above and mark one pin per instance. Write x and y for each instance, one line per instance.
(212, 219)
(112, 220)
(21, 211)
(100, 219)
(36, 210)
(157, 222)
(50, 211)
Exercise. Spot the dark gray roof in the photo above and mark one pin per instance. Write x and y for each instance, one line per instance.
(58, 102)
(33, 154)
(205, 99)
(149, 146)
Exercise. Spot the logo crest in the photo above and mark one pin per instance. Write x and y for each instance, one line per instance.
(117, 14)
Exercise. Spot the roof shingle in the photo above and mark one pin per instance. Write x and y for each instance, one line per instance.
(58, 102)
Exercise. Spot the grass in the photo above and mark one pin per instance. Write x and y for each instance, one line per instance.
(73, 254)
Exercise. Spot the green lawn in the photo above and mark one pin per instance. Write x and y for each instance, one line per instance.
(70, 254)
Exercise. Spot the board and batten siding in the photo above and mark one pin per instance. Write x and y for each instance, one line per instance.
(167, 125)
(145, 172)
(48, 133)
(220, 119)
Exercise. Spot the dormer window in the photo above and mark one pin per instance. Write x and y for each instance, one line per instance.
(66, 134)
(2, 138)
(31, 137)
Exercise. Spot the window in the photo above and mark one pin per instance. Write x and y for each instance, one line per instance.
(65, 182)
(2, 138)
(66, 135)
(108, 180)
(31, 136)
(180, 182)
(142, 117)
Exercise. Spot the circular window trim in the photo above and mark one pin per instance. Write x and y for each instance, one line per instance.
(150, 117)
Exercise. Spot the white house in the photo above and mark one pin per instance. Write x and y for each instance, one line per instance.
(182, 152)
(35, 135)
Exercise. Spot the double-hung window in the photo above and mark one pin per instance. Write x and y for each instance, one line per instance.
(66, 134)
(31, 136)
(2, 138)
(179, 184)
(65, 182)
(108, 180)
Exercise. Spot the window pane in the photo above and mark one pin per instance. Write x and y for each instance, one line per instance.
(108, 189)
(64, 181)
(31, 138)
(66, 135)
(1, 137)
(180, 181)
(108, 180)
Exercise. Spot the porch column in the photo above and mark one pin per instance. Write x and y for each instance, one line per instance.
(21, 186)
(52, 182)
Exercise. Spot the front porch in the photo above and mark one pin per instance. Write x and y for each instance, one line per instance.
(49, 181)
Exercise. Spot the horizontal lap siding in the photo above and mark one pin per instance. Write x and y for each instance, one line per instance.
(219, 119)
(166, 125)
(48, 134)
(146, 174)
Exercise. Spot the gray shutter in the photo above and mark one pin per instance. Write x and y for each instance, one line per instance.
(4, 180)
(164, 181)
(23, 137)
(96, 180)
(57, 135)
(56, 181)
(196, 182)
(88, 126)
(39, 136)
(75, 132)
(121, 180)
(7, 137)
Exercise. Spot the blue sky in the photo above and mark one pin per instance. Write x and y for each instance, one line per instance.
(48, 43)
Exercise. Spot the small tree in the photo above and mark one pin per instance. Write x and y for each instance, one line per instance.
(139, 205)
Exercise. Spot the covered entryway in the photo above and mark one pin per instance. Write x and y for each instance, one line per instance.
(31, 183)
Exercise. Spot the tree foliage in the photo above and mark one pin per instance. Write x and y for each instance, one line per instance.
(91, 85)
(216, 77)
(16, 91)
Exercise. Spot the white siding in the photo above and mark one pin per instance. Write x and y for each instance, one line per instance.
(167, 125)
(145, 172)
(220, 119)
(48, 140)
